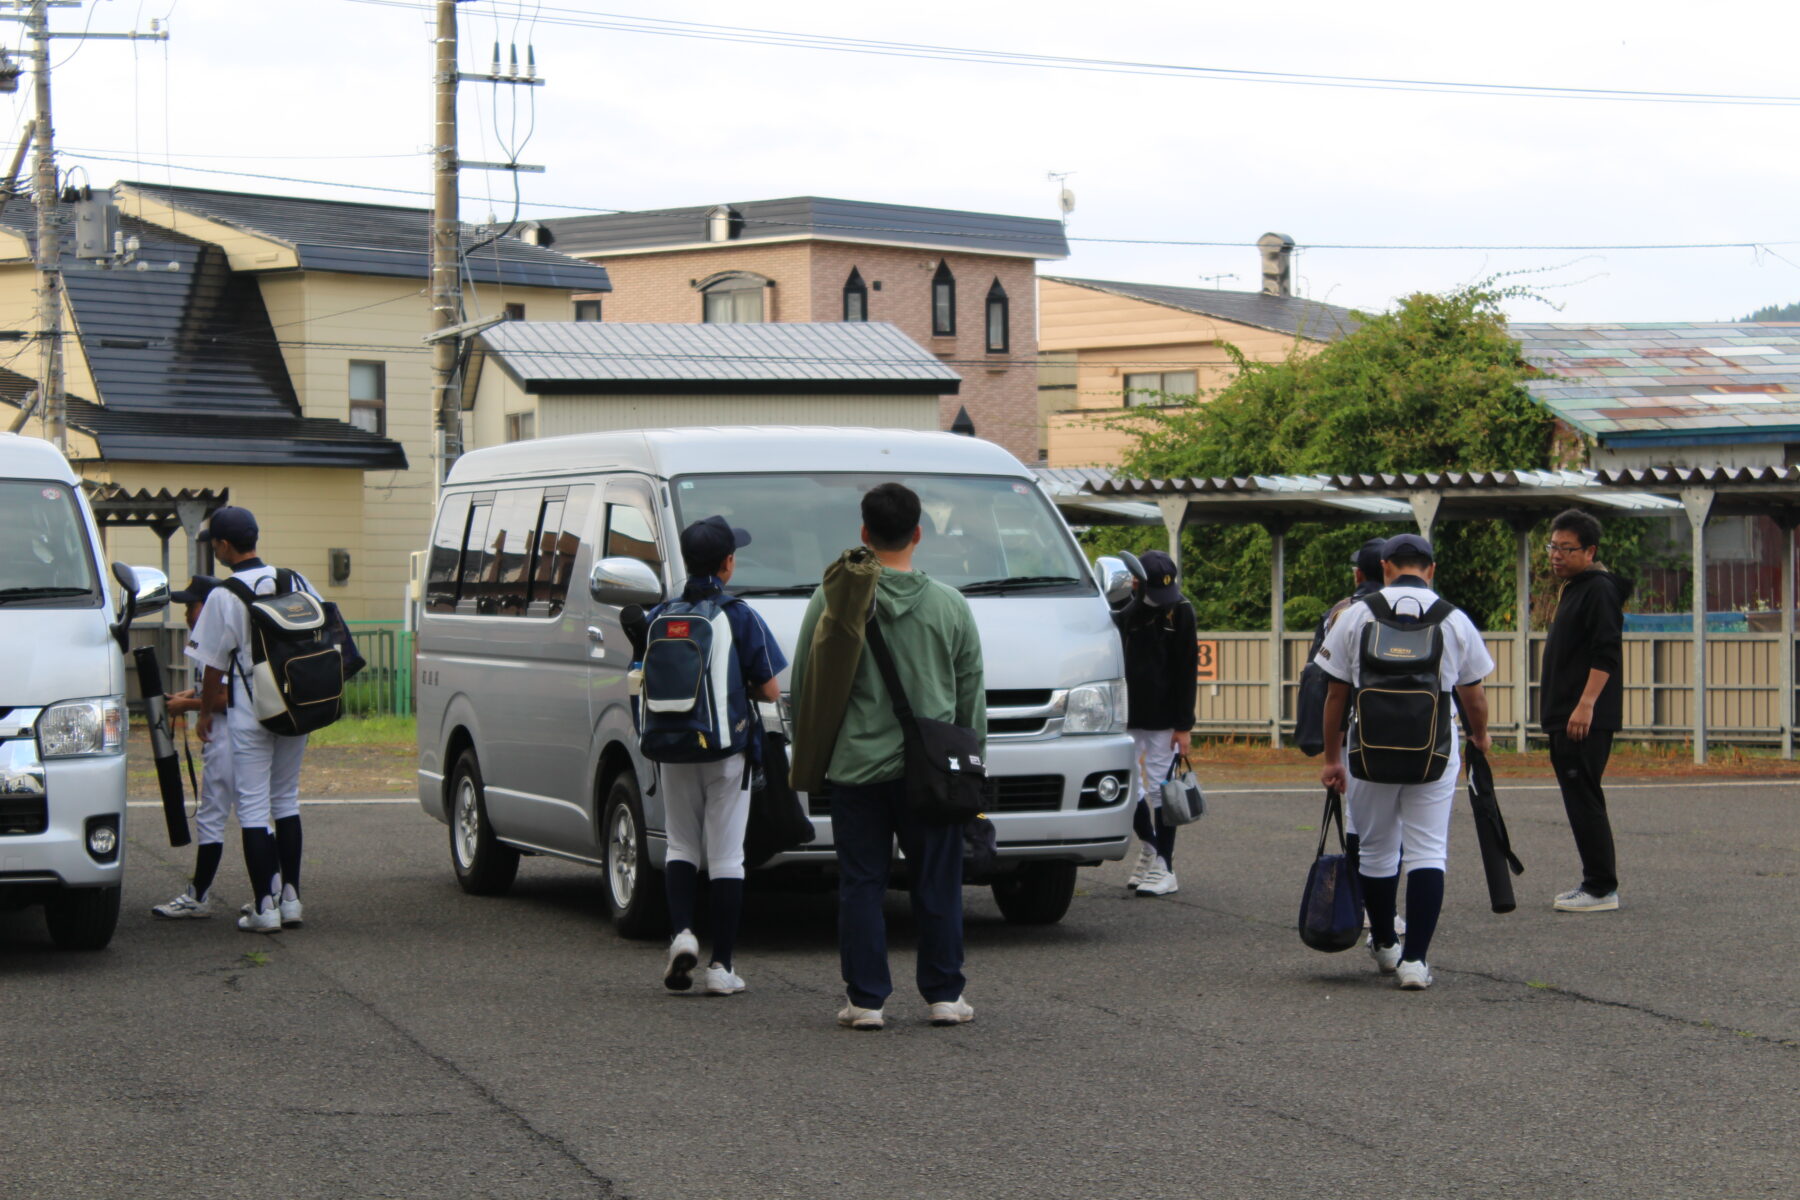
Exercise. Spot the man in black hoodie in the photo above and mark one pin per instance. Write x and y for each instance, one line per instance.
(1157, 626)
(1582, 699)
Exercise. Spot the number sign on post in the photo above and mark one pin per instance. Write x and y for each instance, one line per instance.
(1206, 662)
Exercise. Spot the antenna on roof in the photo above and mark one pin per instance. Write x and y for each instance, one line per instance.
(1065, 199)
(1214, 280)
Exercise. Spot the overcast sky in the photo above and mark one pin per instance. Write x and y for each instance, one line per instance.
(339, 91)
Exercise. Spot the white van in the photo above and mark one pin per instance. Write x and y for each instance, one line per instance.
(526, 743)
(63, 625)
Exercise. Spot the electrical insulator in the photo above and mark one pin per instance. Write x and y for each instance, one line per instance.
(495, 70)
(513, 73)
(530, 61)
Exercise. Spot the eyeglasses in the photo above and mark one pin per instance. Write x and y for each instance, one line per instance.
(1558, 550)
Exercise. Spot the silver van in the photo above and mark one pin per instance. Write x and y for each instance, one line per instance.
(526, 743)
(63, 623)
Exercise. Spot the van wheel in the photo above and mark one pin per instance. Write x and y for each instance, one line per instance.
(1038, 893)
(484, 867)
(83, 918)
(634, 890)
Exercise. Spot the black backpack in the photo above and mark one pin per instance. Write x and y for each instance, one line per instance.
(1315, 684)
(1400, 717)
(298, 656)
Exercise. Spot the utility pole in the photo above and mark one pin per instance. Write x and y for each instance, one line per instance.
(36, 16)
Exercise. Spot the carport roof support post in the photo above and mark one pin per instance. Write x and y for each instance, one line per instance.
(1277, 624)
(1699, 504)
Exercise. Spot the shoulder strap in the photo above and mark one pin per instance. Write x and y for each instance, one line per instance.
(1378, 604)
(284, 579)
(890, 674)
(1439, 612)
(241, 590)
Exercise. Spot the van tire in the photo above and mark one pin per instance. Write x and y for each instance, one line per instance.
(1038, 893)
(83, 918)
(484, 867)
(634, 890)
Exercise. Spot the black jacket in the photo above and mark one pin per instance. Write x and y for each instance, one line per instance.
(1324, 626)
(1587, 633)
(1160, 664)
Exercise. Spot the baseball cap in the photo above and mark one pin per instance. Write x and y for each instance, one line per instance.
(195, 591)
(707, 541)
(1406, 543)
(1367, 558)
(235, 525)
(1162, 581)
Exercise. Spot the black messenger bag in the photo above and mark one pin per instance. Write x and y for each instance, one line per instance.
(945, 772)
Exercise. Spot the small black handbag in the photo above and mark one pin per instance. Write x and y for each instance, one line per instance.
(1331, 906)
(946, 776)
(778, 819)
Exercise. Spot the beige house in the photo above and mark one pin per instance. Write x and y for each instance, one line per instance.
(540, 380)
(1108, 348)
(279, 358)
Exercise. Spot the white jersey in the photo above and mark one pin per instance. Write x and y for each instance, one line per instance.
(1466, 659)
(221, 639)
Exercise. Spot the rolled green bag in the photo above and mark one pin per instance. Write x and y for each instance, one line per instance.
(832, 658)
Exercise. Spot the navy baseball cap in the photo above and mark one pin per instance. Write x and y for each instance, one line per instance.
(195, 591)
(707, 541)
(1367, 558)
(235, 525)
(1406, 543)
(1162, 580)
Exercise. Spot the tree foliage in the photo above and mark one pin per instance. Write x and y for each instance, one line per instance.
(1775, 312)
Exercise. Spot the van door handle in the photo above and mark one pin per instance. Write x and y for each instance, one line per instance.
(596, 634)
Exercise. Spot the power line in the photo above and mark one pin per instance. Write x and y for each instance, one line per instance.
(791, 39)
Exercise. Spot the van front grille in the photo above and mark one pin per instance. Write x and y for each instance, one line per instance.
(23, 815)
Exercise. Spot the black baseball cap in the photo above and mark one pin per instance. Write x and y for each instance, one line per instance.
(707, 541)
(1367, 558)
(1408, 543)
(235, 525)
(1162, 579)
(195, 591)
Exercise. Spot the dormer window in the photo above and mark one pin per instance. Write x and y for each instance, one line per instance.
(733, 297)
(943, 302)
(724, 224)
(856, 297)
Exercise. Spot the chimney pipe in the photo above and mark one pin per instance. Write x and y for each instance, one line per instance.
(1277, 263)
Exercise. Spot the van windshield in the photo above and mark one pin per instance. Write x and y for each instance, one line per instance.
(984, 535)
(44, 557)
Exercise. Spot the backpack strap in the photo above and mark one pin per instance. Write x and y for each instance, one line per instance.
(241, 590)
(1378, 604)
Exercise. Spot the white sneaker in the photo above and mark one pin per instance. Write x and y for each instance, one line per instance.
(184, 907)
(1158, 881)
(1413, 976)
(952, 1012)
(266, 919)
(1146, 860)
(292, 914)
(722, 981)
(684, 955)
(852, 1016)
(1581, 900)
(1387, 958)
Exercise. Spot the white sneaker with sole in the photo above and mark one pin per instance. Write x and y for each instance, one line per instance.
(266, 919)
(722, 981)
(293, 914)
(1146, 860)
(952, 1012)
(184, 907)
(684, 955)
(1159, 881)
(1413, 976)
(1581, 900)
(1387, 958)
(853, 1016)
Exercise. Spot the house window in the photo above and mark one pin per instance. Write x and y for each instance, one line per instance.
(735, 298)
(521, 426)
(856, 297)
(999, 339)
(587, 310)
(368, 397)
(515, 312)
(943, 302)
(1155, 388)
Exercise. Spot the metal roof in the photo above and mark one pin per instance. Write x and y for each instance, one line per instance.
(1294, 315)
(601, 356)
(127, 435)
(814, 217)
(1679, 383)
(377, 239)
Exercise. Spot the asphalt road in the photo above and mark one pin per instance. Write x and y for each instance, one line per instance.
(413, 1041)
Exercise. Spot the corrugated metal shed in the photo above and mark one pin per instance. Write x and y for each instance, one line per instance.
(816, 217)
(1677, 383)
(593, 357)
(377, 239)
(1310, 319)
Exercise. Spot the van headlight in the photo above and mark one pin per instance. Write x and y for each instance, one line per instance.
(1096, 708)
(78, 727)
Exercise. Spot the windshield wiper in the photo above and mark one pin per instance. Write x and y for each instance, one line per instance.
(777, 589)
(989, 587)
(41, 593)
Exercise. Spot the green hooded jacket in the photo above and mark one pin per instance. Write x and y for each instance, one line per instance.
(937, 651)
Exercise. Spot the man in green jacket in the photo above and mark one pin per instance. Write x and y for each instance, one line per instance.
(937, 651)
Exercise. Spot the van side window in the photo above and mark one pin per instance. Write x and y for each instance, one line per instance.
(477, 563)
(513, 536)
(564, 517)
(628, 535)
(443, 570)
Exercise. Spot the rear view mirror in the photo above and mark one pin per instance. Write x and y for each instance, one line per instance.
(621, 581)
(149, 588)
(1114, 579)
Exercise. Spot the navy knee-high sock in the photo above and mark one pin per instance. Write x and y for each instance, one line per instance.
(1380, 897)
(206, 867)
(1141, 823)
(262, 862)
(725, 903)
(287, 845)
(1424, 900)
(682, 882)
(1165, 841)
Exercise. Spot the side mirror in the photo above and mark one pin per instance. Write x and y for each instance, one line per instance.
(1114, 578)
(149, 588)
(621, 581)
(1133, 565)
(128, 586)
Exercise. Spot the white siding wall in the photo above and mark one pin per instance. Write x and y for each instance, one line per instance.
(594, 414)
